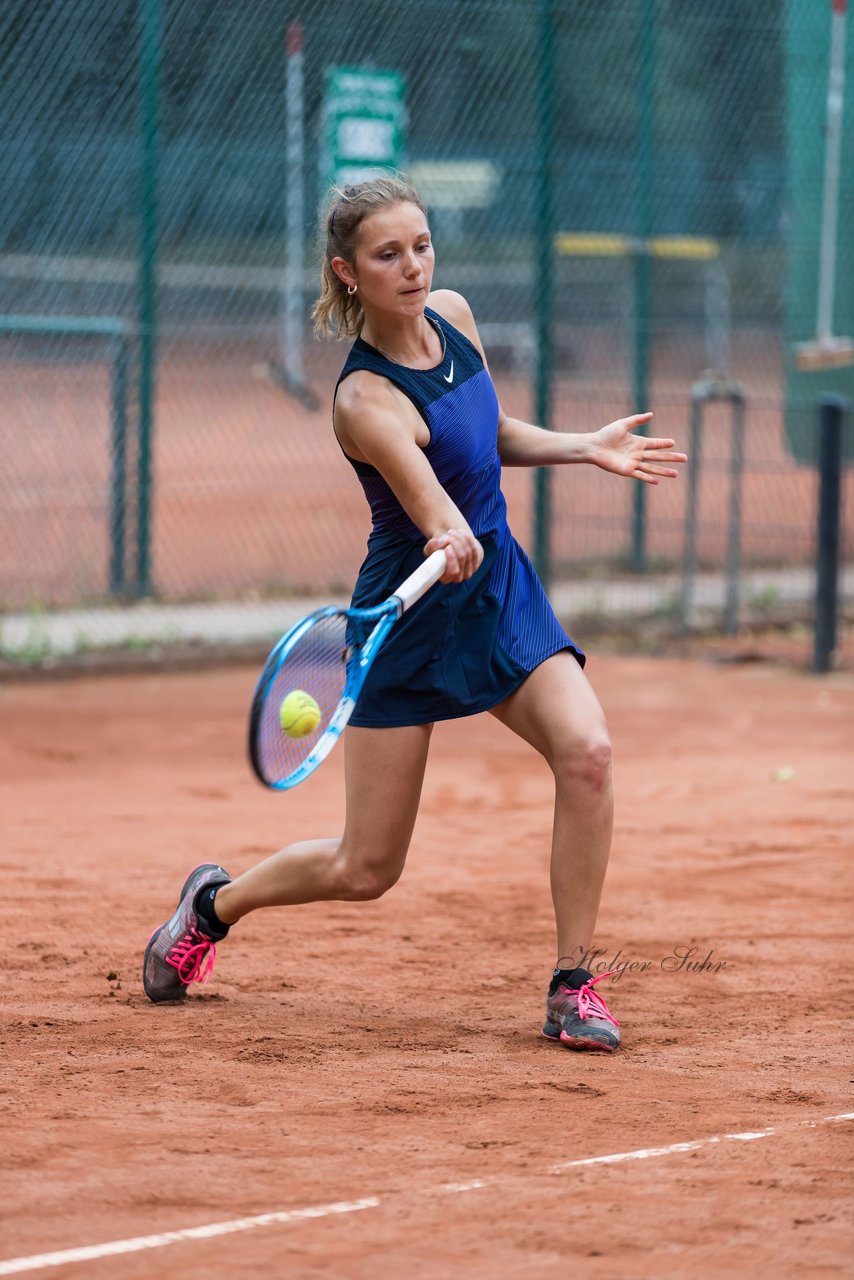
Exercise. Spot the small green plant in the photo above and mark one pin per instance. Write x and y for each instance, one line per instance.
(36, 647)
(140, 644)
(767, 598)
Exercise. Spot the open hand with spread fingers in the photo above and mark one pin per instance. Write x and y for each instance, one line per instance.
(616, 448)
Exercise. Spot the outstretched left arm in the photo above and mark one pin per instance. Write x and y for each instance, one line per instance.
(613, 448)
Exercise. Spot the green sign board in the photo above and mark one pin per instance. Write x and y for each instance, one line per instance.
(364, 124)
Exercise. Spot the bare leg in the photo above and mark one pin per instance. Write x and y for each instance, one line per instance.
(557, 711)
(384, 773)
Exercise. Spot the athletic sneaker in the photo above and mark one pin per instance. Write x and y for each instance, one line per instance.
(180, 952)
(579, 1017)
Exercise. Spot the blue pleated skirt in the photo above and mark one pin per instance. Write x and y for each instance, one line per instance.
(463, 647)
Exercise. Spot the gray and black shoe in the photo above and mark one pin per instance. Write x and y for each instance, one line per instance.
(181, 951)
(578, 1017)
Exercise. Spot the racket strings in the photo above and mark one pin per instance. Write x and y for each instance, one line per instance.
(316, 665)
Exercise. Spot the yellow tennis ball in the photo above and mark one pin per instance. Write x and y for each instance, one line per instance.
(299, 714)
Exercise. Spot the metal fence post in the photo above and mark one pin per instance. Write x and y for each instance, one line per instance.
(736, 471)
(689, 537)
(149, 89)
(702, 392)
(118, 480)
(643, 263)
(117, 332)
(831, 418)
(545, 275)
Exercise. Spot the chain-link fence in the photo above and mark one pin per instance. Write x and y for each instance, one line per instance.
(628, 192)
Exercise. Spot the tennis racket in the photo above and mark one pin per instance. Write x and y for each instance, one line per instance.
(327, 655)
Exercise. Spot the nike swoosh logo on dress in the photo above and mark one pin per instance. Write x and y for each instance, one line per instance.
(449, 377)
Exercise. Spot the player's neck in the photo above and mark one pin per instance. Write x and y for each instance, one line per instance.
(411, 341)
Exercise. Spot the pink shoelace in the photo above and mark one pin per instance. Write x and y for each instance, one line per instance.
(591, 1004)
(193, 956)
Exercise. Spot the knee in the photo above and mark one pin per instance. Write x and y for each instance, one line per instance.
(585, 763)
(364, 882)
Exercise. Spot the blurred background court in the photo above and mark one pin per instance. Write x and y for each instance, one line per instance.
(629, 194)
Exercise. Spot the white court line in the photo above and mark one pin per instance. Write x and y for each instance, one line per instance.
(647, 1153)
(90, 1253)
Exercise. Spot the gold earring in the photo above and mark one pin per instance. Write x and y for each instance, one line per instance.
(351, 289)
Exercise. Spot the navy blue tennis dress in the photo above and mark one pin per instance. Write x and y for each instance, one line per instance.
(464, 646)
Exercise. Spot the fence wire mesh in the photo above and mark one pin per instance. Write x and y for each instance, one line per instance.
(148, 141)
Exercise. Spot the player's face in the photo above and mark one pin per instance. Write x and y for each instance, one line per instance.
(394, 260)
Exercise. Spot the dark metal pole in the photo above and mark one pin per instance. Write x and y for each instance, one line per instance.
(702, 393)
(118, 495)
(642, 258)
(831, 418)
(689, 535)
(149, 76)
(736, 475)
(545, 276)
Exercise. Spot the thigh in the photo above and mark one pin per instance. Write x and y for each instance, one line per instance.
(555, 709)
(384, 771)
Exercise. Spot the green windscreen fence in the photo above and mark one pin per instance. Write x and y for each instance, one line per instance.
(809, 83)
(612, 183)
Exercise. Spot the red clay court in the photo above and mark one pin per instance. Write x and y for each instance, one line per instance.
(371, 1075)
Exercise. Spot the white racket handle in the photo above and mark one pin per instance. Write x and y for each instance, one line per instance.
(424, 577)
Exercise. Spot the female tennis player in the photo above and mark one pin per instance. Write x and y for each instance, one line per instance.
(417, 416)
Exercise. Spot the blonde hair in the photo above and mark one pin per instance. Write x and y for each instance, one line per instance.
(336, 311)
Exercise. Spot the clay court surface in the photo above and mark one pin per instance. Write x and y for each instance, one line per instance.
(388, 1052)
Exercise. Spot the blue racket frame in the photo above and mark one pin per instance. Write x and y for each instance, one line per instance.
(380, 619)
